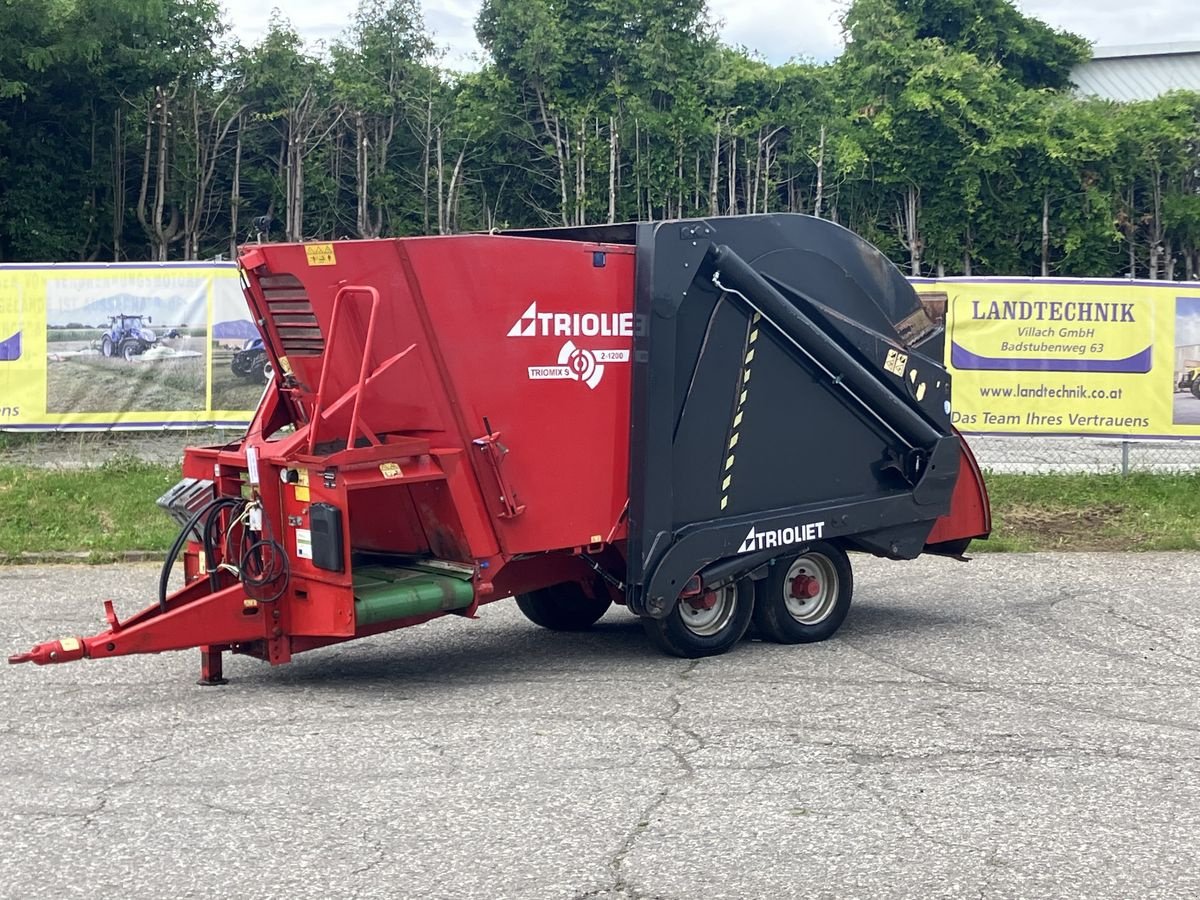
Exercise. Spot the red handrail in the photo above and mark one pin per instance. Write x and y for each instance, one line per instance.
(344, 292)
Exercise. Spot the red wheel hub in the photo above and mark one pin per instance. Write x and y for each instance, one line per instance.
(805, 587)
(704, 601)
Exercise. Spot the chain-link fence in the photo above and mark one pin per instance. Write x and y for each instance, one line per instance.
(996, 453)
(85, 449)
(1025, 454)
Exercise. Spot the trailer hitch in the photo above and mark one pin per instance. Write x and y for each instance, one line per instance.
(63, 650)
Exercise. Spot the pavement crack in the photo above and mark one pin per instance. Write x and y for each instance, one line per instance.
(620, 886)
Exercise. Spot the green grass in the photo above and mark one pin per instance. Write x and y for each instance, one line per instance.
(110, 509)
(1141, 511)
(104, 511)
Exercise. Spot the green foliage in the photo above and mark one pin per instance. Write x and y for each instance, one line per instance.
(945, 133)
(105, 510)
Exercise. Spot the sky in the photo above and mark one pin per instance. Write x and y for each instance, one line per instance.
(776, 29)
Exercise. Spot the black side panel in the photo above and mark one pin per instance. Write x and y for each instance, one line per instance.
(775, 401)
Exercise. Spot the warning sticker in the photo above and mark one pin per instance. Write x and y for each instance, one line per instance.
(304, 543)
(896, 362)
(320, 254)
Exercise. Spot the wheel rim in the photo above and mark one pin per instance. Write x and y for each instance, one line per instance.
(268, 371)
(810, 588)
(709, 613)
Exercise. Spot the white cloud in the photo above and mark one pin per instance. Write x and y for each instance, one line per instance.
(776, 29)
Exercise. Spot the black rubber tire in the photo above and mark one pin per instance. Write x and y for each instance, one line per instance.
(563, 607)
(674, 636)
(106, 347)
(129, 349)
(772, 619)
(258, 368)
(1196, 388)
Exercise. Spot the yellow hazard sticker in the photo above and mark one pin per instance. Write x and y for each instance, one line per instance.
(69, 645)
(390, 470)
(302, 493)
(320, 254)
(285, 365)
(303, 474)
(896, 362)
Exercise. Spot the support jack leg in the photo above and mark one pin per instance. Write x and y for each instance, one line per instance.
(210, 668)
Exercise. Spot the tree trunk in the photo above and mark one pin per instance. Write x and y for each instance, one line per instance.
(732, 208)
(679, 178)
(612, 170)
(581, 175)
(441, 209)
(559, 153)
(908, 227)
(766, 173)
(714, 176)
(160, 189)
(361, 148)
(235, 188)
(1130, 231)
(819, 199)
(1156, 229)
(637, 166)
(118, 223)
(425, 161)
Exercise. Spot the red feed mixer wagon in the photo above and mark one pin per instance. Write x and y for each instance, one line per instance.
(697, 419)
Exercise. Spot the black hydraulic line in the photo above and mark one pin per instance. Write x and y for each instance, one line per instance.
(210, 510)
(603, 573)
(258, 571)
(846, 371)
(734, 567)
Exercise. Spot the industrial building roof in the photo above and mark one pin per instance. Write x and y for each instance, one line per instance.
(1139, 72)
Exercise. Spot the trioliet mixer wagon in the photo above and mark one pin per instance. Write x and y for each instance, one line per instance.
(697, 419)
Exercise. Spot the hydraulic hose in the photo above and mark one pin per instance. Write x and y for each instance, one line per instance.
(209, 510)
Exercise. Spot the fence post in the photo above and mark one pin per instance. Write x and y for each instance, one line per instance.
(1124, 458)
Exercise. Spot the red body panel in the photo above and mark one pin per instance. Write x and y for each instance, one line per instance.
(489, 319)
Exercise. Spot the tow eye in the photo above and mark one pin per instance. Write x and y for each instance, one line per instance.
(65, 650)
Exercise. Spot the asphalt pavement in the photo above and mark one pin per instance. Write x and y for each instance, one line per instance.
(1019, 726)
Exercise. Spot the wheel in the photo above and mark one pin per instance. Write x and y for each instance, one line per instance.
(563, 607)
(805, 598)
(706, 624)
(1196, 388)
(129, 349)
(268, 371)
(106, 346)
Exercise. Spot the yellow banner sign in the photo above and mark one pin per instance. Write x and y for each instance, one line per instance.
(1072, 357)
(126, 346)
